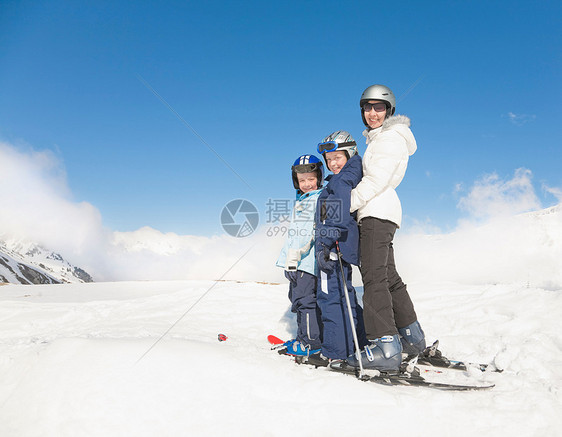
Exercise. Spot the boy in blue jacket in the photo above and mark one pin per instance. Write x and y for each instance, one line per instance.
(334, 223)
(298, 258)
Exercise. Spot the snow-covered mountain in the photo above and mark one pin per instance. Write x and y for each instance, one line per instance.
(28, 263)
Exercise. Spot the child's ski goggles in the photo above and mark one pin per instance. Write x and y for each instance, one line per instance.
(332, 146)
(306, 168)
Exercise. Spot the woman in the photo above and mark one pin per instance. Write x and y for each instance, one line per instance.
(390, 319)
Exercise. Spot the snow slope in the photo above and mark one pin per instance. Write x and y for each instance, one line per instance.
(70, 364)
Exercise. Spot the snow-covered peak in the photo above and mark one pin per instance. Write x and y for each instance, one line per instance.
(24, 262)
(152, 240)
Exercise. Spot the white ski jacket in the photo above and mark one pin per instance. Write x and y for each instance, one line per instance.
(384, 166)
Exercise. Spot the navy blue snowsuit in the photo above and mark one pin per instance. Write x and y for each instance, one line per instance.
(335, 223)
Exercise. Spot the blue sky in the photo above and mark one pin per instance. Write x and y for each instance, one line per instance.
(137, 99)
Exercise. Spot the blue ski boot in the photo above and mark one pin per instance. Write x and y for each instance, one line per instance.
(288, 343)
(413, 339)
(384, 353)
(283, 348)
(298, 349)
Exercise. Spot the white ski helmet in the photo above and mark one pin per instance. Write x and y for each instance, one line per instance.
(378, 92)
(338, 140)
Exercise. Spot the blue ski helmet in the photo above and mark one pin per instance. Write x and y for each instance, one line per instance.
(307, 164)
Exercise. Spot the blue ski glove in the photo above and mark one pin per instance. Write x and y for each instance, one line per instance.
(291, 275)
(324, 262)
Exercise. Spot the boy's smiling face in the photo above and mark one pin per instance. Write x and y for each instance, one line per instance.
(307, 182)
(336, 160)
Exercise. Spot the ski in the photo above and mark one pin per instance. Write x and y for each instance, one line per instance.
(416, 380)
(432, 357)
(274, 341)
(282, 346)
(278, 344)
(408, 376)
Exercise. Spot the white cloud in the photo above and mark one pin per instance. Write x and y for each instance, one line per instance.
(490, 196)
(505, 238)
(554, 191)
(149, 254)
(37, 204)
(524, 249)
(520, 119)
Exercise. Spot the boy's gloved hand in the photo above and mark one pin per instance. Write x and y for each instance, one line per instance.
(327, 236)
(324, 262)
(291, 275)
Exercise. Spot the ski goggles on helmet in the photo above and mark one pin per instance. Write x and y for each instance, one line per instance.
(378, 107)
(306, 168)
(332, 146)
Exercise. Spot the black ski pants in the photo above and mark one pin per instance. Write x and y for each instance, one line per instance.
(386, 303)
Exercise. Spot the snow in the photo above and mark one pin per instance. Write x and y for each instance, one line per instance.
(14, 269)
(8, 267)
(70, 360)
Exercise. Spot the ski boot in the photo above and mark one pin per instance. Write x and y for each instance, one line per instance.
(282, 348)
(318, 360)
(384, 354)
(413, 339)
(297, 349)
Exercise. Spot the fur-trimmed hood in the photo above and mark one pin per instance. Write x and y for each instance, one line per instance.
(398, 123)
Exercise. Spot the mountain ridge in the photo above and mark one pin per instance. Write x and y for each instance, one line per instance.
(23, 262)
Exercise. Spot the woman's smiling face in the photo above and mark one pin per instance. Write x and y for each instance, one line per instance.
(376, 114)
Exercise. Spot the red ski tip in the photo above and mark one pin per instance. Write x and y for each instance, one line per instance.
(274, 340)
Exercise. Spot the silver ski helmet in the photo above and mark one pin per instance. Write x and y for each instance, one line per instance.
(307, 164)
(338, 140)
(378, 92)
